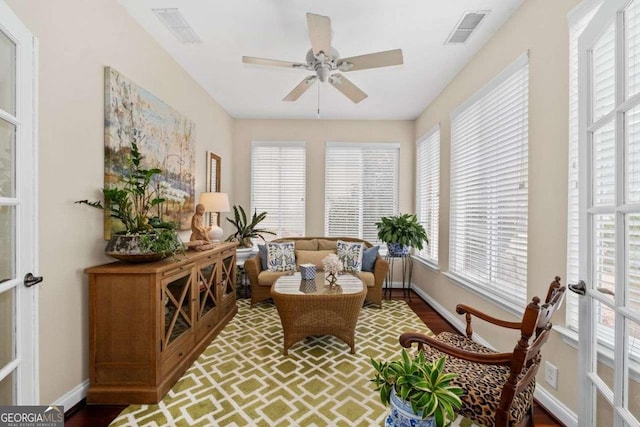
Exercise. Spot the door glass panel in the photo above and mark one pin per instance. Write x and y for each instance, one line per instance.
(604, 245)
(632, 401)
(228, 275)
(633, 267)
(603, 74)
(7, 387)
(207, 288)
(632, 155)
(7, 326)
(7, 75)
(604, 411)
(603, 165)
(7, 159)
(177, 304)
(7, 247)
(632, 44)
(605, 322)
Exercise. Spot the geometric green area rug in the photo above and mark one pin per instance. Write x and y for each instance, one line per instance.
(242, 378)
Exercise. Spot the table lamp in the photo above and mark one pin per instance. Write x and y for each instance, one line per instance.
(214, 203)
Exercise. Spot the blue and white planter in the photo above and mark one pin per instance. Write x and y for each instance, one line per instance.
(398, 250)
(402, 415)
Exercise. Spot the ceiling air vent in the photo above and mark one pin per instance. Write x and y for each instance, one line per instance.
(467, 24)
(175, 22)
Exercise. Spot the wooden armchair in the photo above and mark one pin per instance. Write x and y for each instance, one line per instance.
(498, 386)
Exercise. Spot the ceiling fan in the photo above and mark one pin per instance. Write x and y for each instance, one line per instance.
(324, 60)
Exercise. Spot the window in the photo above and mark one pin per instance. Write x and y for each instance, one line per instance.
(278, 185)
(361, 186)
(577, 23)
(489, 197)
(428, 190)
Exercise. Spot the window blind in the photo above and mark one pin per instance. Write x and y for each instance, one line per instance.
(278, 186)
(578, 21)
(428, 190)
(489, 197)
(361, 186)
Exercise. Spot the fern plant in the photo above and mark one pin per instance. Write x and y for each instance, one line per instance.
(245, 231)
(423, 384)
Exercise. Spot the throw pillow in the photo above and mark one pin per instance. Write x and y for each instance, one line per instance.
(350, 254)
(369, 258)
(281, 257)
(262, 250)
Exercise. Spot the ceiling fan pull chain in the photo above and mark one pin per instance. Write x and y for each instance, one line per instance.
(318, 112)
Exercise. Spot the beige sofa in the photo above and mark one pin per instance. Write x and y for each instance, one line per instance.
(313, 250)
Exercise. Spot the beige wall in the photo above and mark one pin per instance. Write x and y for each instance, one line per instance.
(539, 26)
(315, 133)
(78, 38)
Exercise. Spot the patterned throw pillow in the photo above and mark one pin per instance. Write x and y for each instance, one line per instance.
(281, 256)
(350, 254)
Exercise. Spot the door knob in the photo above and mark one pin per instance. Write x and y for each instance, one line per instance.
(579, 288)
(30, 280)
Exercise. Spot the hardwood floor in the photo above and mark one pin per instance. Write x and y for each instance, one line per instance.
(83, 415)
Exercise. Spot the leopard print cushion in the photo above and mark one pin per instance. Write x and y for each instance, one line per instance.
(482, 383)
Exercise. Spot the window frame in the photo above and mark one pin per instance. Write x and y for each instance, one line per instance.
(431, 177)
(492, 291)
(361, 147)
(303, 167)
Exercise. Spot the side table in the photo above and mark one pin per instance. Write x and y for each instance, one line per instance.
(405, 262)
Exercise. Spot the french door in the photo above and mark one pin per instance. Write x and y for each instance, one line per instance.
(18, 303)
(609, 82)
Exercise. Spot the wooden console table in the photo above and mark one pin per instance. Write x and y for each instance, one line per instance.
(149, 322)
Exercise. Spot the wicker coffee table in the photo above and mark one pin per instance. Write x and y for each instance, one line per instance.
(312, 307)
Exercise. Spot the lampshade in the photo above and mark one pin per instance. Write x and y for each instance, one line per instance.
(215, 202)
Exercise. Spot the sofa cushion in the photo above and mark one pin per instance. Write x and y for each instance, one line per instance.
(281, 256)
(307, 245)
(324, 244)
(268, 278)
(369, 258)
(312, 257)
(350, 254)
(367, 278)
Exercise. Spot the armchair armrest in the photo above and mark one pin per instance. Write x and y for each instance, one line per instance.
(469, 311)
(253, 266)
(409, 338)
(380, 269)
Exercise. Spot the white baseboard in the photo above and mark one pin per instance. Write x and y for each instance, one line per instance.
(73, 396)
(555, 407)
(546, 399)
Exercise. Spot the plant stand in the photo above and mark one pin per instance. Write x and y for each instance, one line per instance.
(405, 262)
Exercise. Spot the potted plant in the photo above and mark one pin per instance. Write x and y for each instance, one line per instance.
(144, 238)
(245, 231)
(400, 232)
(417, 390)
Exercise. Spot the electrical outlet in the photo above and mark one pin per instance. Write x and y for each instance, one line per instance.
(551, 375)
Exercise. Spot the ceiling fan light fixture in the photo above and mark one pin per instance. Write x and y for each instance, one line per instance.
(323, 71)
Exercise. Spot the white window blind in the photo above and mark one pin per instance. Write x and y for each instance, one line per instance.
(428, 190)
(489, 197)
(278, 186)
(578, 21)
(361, 186)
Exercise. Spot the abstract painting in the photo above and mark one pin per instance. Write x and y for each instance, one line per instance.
(165, 138)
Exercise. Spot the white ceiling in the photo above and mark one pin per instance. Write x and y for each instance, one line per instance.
(277, 29)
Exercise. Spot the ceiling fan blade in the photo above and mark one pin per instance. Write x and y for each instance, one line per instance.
(371, 60)
(319, 33)
(347, 88)
(272, 62)
(300, 89)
